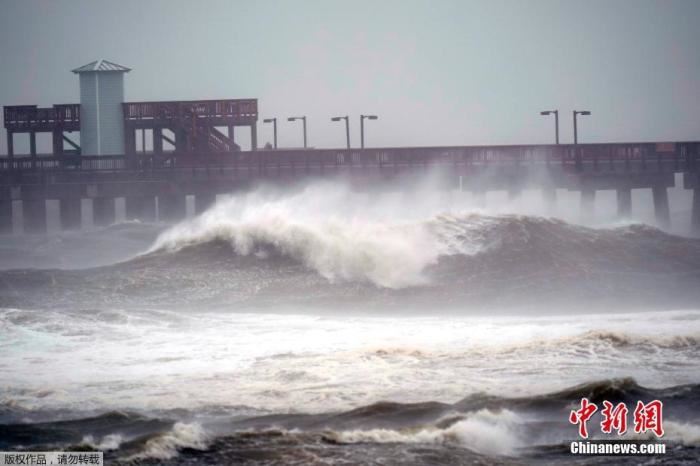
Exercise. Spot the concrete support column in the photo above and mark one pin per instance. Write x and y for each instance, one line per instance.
(130, 147)
(6, 216)
(57, 135)
(549, 196)
(253, 137)
(103, 211)
(34, 215)
(624, 202)
(140, 208)
(87, 218)
(32, 143)
(71, 213)
(181, 140)
(695, 220)
(189, 206)
(17, 217)
(158, 140)
(661, 206)
(10, 144)
(172, 207)
(203, 201)
(53, 216)
(587, 203)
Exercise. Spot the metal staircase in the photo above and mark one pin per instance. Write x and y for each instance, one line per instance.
(203, 137)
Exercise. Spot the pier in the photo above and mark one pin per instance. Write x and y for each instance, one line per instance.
(114, 160)
(156, 184)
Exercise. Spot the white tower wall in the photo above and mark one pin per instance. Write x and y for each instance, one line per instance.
(101, 116)
(88, 114)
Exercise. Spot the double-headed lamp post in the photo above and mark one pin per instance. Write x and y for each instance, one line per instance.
(362, 128)
(556, 122)
(347, 127)
(578, 112)
(303, 119)
(274, 128)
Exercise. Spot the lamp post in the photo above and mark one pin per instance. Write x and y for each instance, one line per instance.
(579, 162)
(578, 112)
(556, 122)
(347, 127)
(303, 120)
(362, 128)
(274, 128)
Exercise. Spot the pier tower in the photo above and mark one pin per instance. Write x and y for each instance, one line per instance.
(101, 98)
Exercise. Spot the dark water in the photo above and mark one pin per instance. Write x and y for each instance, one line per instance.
(519, 430)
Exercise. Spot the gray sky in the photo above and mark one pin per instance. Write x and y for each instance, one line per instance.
(436, 72)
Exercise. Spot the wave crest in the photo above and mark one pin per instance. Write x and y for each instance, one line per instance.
(166, 445)
(484, 431)
(347, 237)
(337, 246)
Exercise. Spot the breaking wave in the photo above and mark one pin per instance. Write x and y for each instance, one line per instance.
(484, 431)
(167, 445)
(622, 340)
(345, 241)
(338, 249)
(320, 247)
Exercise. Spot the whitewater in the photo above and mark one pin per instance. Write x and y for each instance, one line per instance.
(326, 326)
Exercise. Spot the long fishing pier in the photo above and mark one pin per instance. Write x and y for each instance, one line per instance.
(149, 185)
(112, 160)
(169, 160)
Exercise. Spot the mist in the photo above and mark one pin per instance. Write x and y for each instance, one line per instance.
(334, 246)
(440, 75)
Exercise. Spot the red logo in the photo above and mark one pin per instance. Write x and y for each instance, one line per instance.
(647, 417)
(582, 416)
(614, 418)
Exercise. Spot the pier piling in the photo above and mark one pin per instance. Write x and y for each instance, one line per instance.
(142, 208)
(624, 202)
(34, 215)
(696, 212)
(71, 213)
(661, 206)
(103, 211)
(172, 207)
(587, 203)
(549, 196)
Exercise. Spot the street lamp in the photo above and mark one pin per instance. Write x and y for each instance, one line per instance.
(578, 112)
(274, 127)
(303, 119)
(579, 161)
(362, 128)
(347, 127)
(556, 122)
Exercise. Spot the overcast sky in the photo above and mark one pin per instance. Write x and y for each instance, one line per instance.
(437, 72)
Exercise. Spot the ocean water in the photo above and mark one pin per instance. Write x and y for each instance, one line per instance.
(323, 326)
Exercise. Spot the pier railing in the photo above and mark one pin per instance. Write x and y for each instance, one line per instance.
(241, 109)
(29, 117)
(618, 156)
